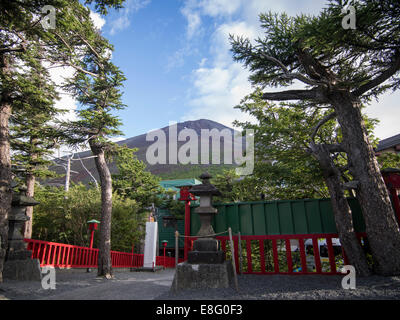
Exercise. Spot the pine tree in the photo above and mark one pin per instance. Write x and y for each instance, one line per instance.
(339, 69)
(32, 134)
(20, 22)
(291, 160)
(99, 94)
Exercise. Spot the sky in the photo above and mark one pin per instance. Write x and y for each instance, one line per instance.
(176, 57)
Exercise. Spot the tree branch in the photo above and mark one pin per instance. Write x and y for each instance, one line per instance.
(321, 123)
(313, 67)
(333, 148)
(289, 75)
(312, 94)
(385, 75)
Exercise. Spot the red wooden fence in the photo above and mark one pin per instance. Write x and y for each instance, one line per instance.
(288, 254)
(70, 256)
(297, 254)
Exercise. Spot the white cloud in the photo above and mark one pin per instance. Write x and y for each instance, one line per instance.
(220, 86)
(193, 19)
(66, 101)
(216, 92)
(220, 45)
(216, 8)
(217, 88)
(178, 58)
(123, 19)
(98, 21)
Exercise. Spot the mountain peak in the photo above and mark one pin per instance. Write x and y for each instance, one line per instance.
(142, 144)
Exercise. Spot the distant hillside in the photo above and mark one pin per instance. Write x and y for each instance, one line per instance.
(165, 171)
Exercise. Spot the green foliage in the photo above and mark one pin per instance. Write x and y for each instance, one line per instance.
(133, 181)
(235, 188)
(389, 160)
(63, 218)
(284, 166)
(181, 171)
(175, 207)
(32, 136)
(97, 88)
(353, 58)
(284, 169)
(360, 55)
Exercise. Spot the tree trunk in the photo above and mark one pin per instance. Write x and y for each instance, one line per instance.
(30, 184)
(104, 261)
(381, 225)
(341, 211)
(68, 174)
(5, 161)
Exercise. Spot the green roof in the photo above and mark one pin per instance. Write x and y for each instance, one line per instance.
(175, 184)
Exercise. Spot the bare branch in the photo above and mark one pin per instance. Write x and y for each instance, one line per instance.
(321, 123)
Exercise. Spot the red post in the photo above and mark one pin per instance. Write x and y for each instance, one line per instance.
(316, 255)
(396, 203)
(248, 256)
(331, 255)
(91, 238)
(164, 258)
(223, 245)
(92, 227)
(289, 255)
(187, 229)
(275, 253)
(392, 181)
(262, 256)
(303, 257)
(186, 196)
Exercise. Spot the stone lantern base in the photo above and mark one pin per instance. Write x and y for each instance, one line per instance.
(205, 268)
(206, 251)
(23, 270)
(202, 276)
(18, 264)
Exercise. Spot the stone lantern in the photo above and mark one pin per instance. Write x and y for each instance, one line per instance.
(18, 263)
(206, 266)
(206, 247)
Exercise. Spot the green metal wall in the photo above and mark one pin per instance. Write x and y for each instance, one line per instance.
(168, 233)
(278, 217)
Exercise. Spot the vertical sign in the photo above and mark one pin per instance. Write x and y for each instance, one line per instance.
(150, 245)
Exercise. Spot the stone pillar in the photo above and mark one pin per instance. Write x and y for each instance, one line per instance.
(18, 263)
(206, 266)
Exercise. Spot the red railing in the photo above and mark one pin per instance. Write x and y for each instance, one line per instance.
(70, 256)
(268, 254)
(169, 262)
(288, 254)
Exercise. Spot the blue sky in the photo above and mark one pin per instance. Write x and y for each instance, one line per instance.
(175, 55)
